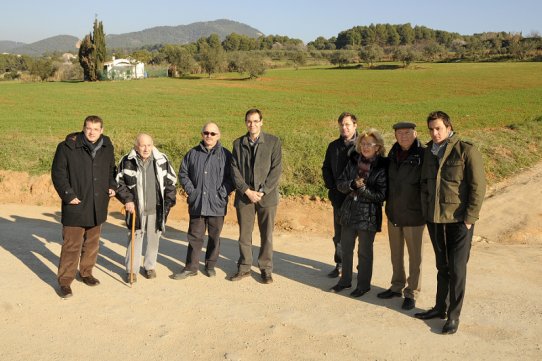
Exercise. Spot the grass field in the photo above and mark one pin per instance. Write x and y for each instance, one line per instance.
(496, 105)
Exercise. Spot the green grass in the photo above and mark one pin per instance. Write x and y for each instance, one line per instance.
(496, 105)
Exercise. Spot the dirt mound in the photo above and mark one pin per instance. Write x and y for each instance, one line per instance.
(512, 211)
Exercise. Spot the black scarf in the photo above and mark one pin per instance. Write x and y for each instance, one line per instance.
(93, 147)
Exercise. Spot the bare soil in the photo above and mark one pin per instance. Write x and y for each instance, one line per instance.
(295, 318)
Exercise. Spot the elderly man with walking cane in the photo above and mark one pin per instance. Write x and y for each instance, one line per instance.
(147, 188)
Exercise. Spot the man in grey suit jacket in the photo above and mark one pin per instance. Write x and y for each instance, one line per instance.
(256, 169)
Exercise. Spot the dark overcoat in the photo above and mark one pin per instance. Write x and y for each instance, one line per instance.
(76, 174)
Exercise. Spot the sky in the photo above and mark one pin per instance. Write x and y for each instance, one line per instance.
(32, 20)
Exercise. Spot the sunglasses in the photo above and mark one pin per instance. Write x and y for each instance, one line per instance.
(212, 134)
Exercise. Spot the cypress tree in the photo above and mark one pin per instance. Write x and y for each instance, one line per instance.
(99, 45)
(87, 59)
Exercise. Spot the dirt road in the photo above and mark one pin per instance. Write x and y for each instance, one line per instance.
(295, 318)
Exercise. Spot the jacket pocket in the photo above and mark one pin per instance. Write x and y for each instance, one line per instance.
(449, 192)
(453, 170)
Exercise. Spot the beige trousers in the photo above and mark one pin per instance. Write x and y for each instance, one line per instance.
(412, 236)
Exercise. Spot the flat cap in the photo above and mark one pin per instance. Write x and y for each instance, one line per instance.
(404, 125)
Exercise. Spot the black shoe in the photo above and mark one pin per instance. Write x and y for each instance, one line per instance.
(358, 293)
(338, 288)
(65, 292)
(450, 327)
(210, 272)
(90, 280)
(266, 277)
(239, 276)
(184, 274)
(388, 294)
(335, 273)
(429, 314)
(408, 303)
(150, 274)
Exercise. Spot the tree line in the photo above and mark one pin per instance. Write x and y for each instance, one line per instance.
(252, 56)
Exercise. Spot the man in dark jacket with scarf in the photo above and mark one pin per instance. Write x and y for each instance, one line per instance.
(147, 187)
(334, 163)
(83, 174)
(453, 187)
(205, 175)
(404, 212)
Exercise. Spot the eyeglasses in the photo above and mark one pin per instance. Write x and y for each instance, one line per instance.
(366, 145)
(212, 134)
(252, 122)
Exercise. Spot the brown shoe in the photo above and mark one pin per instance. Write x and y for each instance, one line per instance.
(65, 292)
(150, 274)
(239, 276)
(266, 277)
(90, 280)
(134, 278)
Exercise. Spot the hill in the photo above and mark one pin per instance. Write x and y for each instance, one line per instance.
(7, 45)
(181, 34)
(59, 43)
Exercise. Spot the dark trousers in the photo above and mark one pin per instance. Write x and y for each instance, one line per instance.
(266, 222)
(196, 231)
(337, 257)
(451, 243)
(365, 256)
(80, 248)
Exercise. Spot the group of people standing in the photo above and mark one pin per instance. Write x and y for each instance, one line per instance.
(85, 176)
(441, 185)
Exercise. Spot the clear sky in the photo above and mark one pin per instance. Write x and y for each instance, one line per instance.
(33, 20)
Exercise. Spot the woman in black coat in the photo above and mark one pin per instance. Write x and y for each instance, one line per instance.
(364, 180)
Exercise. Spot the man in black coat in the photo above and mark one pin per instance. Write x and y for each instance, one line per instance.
(83, 173)
(404, 211)
(334, 163)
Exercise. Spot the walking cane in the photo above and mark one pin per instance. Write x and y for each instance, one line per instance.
(132, 249)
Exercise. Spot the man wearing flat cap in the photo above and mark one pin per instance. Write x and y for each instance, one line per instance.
(404, 212)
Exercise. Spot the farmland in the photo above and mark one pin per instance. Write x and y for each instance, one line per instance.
(496, 105)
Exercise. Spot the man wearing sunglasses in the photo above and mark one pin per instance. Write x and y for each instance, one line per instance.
(205, 176)
(256, 169)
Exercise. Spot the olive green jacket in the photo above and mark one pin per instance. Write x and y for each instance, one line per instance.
(453, 191)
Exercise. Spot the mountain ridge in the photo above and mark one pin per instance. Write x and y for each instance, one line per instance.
(179, 34)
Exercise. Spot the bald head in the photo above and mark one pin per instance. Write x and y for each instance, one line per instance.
(210, 134)
(144, 145)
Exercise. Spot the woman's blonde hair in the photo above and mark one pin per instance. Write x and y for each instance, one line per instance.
(372, 132)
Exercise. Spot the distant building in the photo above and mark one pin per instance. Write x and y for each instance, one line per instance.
(124, 69)
(67, 58)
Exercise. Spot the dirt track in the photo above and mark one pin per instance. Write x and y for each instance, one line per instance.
(294, 318)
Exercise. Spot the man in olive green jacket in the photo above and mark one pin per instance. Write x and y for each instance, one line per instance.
(453, 188)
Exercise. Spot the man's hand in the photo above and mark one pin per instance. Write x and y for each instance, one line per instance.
(359, 182)
(75, 201)
(130, 207)
(254, 196)
(111, 193)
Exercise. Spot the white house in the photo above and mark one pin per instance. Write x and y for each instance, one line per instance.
(124, 69)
